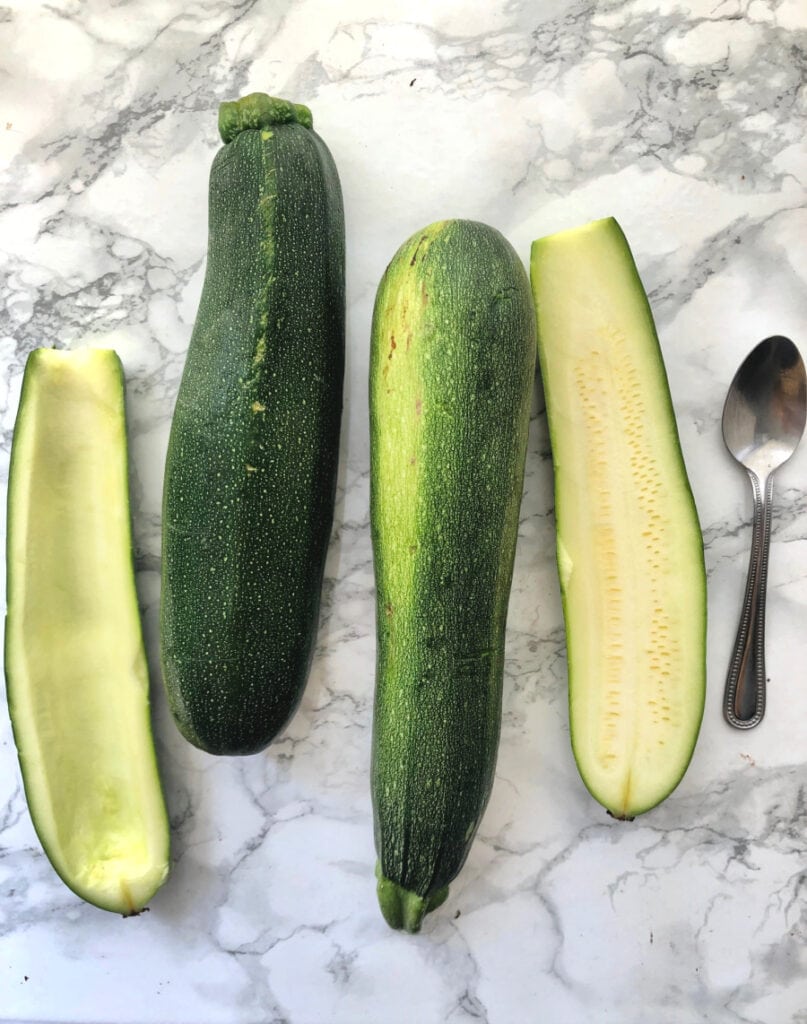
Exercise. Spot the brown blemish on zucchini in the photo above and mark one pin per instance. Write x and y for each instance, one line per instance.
(128, 901)
(423, 238)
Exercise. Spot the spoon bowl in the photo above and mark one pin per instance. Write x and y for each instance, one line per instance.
(763, 420)
(764, 414)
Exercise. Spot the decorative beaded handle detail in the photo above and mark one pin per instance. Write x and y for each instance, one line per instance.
(744, 697)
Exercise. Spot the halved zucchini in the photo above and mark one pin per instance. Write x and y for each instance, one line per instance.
(75, 666)
(630, 550)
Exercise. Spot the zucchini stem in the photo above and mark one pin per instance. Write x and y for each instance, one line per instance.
(257, 110)
(403, 908)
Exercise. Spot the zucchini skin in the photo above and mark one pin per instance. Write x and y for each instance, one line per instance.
(252, 458)
(451, 376)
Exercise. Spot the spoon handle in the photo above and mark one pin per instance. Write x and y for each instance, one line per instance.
(744, 698)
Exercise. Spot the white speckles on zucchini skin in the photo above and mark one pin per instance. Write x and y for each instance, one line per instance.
(451, 376)
(251, 467)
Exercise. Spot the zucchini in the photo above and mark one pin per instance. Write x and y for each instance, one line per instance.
(76, 671)
(250, 474)
(629, 546)
(451, 377)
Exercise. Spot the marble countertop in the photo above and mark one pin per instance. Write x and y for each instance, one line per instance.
(683, 118)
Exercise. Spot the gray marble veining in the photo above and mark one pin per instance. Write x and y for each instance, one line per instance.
(685, 120)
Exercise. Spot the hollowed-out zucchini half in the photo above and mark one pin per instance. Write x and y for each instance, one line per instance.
(76, 674)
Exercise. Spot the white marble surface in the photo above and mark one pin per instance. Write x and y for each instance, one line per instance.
(686, 120)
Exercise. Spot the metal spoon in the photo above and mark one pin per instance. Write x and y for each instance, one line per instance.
(763, 420)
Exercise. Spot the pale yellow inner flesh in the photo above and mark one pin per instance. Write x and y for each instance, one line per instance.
(629, 543)
(78, 682)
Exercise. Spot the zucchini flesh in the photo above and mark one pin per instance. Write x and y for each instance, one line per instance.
(250, 476)
(451, 377)
(629, 545)
(75, 665)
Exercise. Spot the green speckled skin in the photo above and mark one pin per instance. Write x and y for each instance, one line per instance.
(451, 377)
(252, 458)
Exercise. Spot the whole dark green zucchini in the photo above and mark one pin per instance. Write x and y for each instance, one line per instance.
(451, 377)
(252, 458)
